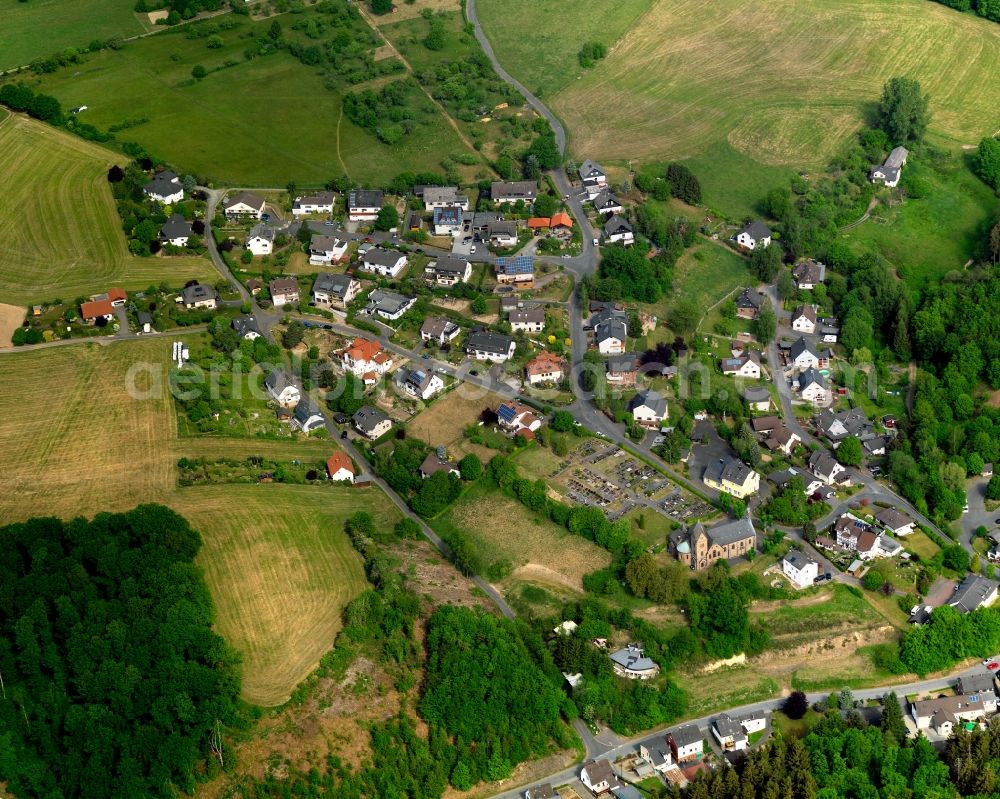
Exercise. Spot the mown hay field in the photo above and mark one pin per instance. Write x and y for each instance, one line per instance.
(60, 235)
(783, 83)
(45, 27)
(276, 557)
(263, 122)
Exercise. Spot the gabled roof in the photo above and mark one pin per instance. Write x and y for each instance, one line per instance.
(489, 341)
(809, 377)
(262, 231)
(338, 461)
(811, 271)
(730, 469)
(893, 519)
(365, 198)
(515, 189)
(449, 215)
(649, 399)
(319, 198)
(756, 230)
(971, 593)
(305, 411)
(729, 532)
(442, 194)
(801, 346)
(588, 169)
(528, 316)
(605, 200)
(610, 329)
(382, 257)
(516, 265)
(615, 224)
(896, 158)
(434, 463)
(197, 293)
(797, 560)
(323, 244)
(368, 418)
(756, 394)
(626, 362)
(175, 227)
(749, 298)
(560, 219)
(246, 198)
(686, 735)
(283, 285)
(332, 284)
(804, 310)
(822, 463)
(278, 381)
(728, 727)
(449, 264)
(245, 324)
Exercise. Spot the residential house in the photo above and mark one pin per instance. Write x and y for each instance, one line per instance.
(414, 222)
(747, 365)
(610, 335)
(281, 388)
(518, 271)
(700, 547)
(757, 398)
(371, 422)
(804, 319)
(943, 713)
(254, 286)
(438, 461)
(748, 303)
(422, 384)
(802, 355)
(598, 776)
(480, 221)
(825, 467)
(561, 224)
(504, 192)
(388, 304)
(340, 468)
(165, 187)
(753, 722)
(686, 743)
(485, 345)
(260, 239)
(808, 274)
(307, 417)
(444, 197)
(607, 203)
(546, 367)
(517, 418)
(363, 205)
(631, 662)
(593, 177)
(502, 233)
(387, 263)
(657, 755)
(973, 592)
(319, 203)
(284, 291)
(887, 547)
(145, 322)
(544, 791)
(799, 568)
(623, 370)
(848, 528)
(530, 320)
(729, 733)
(983, 684)
(617, 230)
(781, 439)
(765, 425)
(338, 290)
(244, 205)
(888, 173)
(648, 409)
(894, 522)
(732, 476)
(199, 295)
(364, 356)
(447, 270)
(246, 327)
(176, 231)
(753, 235)
(837, 426)
(812, 387)
(447, 221)
(876, 445)
(510, 302)
(829, 332)
(326, 250)
(438, 330)
(102, 306)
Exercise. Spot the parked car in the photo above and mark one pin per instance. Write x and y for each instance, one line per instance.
(659, 440)
(472, 249)
(822, 578)
(993, 666)
(343, 435)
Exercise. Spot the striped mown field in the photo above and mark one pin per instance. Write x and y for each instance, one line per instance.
(60, 235)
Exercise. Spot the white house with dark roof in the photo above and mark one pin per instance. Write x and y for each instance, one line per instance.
(306, 417)
(648, 409)
(593, 177)
(284, 291)
(618, 231)
(804, 319)
(686, 743)
(973, 592)
(165, 187)
(319, 203)
(753, 235)
(281, 388)
(439, 330)
(812, 387)
(447, 270)
(371, 422)
(747, 365)
(176, 231)
(199, 295)
(748, 303)
(388, 304)
(528, 320)
(889, 172)
(839, 425)
(802, 355)
(826, 468)
(444, 197)
(799, 568)
(610, 335)
(246, 327)
(260, 239)
(363, 205)
(448, 221)
(387, 263)
(729, 733)
(757, 398)
(502, 233)
(809, 274)
(943, 714)
(895, 522)
(485, 345)
(606, 203)
(504, 192)
(420, 383)
(326, 250)
(244, 205)
(598, 776)
(338, 290)
(631, 662)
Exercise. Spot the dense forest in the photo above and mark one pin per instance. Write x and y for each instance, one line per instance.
(114, 683)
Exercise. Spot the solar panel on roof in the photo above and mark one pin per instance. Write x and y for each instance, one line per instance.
(518, 265)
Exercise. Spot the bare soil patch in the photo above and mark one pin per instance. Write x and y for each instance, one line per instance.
(11, 317)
